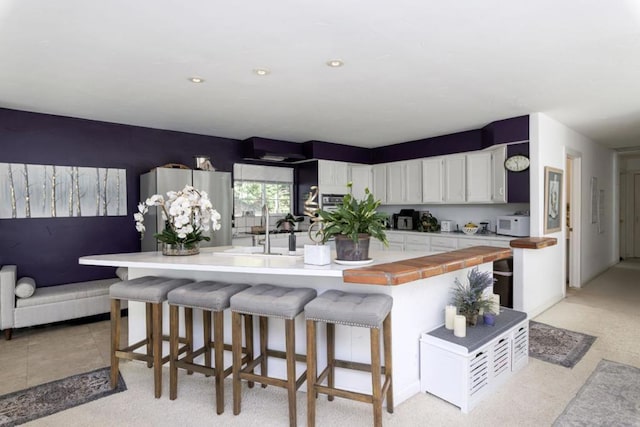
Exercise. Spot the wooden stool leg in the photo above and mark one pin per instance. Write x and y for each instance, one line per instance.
(188, 332)
(331, 357)
(115, 340)
(206, 326)
(236, 346)
(157, 348)
(375, 377)
(248, 339)
(149, 324)
(218, 342)
(388, 363)
(264, 341)
(173, 350)
(312, 373)
(290, 337)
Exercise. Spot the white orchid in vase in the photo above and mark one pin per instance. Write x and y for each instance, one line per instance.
(187, 214)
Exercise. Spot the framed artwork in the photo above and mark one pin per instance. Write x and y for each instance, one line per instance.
(552, 200)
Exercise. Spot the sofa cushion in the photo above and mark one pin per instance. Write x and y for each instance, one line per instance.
(25, 287)
(70, 291)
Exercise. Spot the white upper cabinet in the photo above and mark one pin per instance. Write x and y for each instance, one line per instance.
(479, 177)
(454, 179)
(332, 177)
(499, 181)
(432, 180)
(362, 177)
(413, 181)
(404, 182)
(379, 189)
(395, 178)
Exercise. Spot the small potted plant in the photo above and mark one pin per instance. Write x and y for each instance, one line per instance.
(470, 297)
(288, 222)
(353, 223)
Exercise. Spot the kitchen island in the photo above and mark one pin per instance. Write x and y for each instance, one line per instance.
(419, 283)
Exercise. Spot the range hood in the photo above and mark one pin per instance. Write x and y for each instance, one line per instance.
(272, 150)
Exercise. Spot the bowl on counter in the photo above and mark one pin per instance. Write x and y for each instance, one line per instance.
(469, 230)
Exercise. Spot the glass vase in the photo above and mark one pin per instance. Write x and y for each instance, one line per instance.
(180, 249)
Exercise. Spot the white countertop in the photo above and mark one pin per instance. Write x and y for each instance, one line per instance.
(215, 259)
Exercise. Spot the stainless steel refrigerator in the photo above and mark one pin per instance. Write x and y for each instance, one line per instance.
(161, 180)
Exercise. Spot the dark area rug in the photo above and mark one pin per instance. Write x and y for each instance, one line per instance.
(609, 398)
(25, 405)
(557, 345)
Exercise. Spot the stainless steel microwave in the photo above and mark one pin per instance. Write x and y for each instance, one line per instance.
(513, 225)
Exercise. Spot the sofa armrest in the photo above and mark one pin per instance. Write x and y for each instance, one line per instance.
(8, 275)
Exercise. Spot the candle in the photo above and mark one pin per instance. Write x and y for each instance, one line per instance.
(495, 306)
(450, 312)
(460, 326)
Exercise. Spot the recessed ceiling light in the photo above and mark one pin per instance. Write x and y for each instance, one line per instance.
(196, 79)
(335, 63)
(261, 71)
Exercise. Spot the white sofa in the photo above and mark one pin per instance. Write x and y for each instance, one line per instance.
(50, 304)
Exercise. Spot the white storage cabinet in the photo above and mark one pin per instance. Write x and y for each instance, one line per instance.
(464, 370)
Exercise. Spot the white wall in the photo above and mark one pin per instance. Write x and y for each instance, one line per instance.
(550, 141)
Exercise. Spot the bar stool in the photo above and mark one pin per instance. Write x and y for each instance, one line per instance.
(153, 292)
(269, 301)
(212, 298)
(371, 311)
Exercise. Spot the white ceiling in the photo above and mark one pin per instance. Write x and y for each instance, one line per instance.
(412, 68)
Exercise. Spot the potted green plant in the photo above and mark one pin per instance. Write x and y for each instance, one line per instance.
(353, 223)
(288, 222)
(470, 297)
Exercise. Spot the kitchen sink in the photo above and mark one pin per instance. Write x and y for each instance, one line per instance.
(259, 251)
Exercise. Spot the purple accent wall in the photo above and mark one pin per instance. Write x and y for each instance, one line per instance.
(504, 131)
(518, 182)
(440, 145)
(330, 151)
(47, 249)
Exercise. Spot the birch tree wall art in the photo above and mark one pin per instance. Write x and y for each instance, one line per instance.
(48, 191)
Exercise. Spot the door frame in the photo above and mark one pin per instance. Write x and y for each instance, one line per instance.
(575, 234)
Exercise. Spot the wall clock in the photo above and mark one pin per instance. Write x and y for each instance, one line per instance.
(517, 163)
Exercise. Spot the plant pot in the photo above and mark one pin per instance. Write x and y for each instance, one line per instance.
(180, 249)
(489, 319)
(348, 250)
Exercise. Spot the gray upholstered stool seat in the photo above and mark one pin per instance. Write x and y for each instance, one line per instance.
(145, 289)
(371, 311)
(354, 309)
(268, 301)
(272, 301)
(153, 292)
(212, 298)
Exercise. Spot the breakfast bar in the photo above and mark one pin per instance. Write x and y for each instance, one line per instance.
(419, 283)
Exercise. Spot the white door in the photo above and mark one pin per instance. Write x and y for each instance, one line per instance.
(380, 182)
(432, 178)
(479, 182)
(360, 178)
(413, 182)
(573, 191)
(395, 176)
(454, 179)
(499, 175)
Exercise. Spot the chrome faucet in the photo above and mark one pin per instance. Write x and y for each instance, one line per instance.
(267, 241)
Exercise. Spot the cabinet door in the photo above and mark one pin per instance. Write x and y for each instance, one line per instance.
(432, 180)
(332, 177)
(454, 179)
(380, 182)
(412, 181)
(479, 177)
(361, 177)
(395, 177)
(499, 181)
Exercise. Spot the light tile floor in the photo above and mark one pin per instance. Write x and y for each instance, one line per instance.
(607, 307)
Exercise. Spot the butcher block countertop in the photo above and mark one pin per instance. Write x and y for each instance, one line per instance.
(408, 270)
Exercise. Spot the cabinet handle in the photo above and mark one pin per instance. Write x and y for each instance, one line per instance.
(501, 341)
(480, 354)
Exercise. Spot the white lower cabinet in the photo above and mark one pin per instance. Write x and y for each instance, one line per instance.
(443, 244)
(464, 370)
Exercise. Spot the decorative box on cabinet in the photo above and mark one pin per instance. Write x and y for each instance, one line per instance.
(464, 370)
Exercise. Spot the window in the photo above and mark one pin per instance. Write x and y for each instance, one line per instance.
(254, 186)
